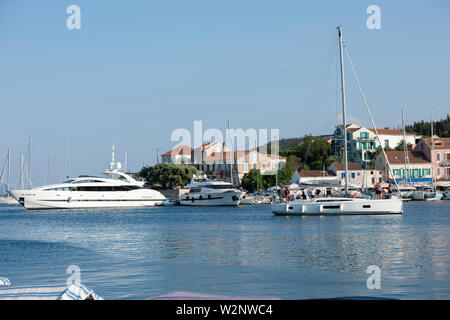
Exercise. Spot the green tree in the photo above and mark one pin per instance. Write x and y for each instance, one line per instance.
(285, 175)
(400, 146)
(294, 162)
(312, 152)
(253, 181)
(168, 174)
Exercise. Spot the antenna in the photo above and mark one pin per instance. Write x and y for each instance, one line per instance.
(112, 163)
(125, 164)
(48, 171)
(65, 156)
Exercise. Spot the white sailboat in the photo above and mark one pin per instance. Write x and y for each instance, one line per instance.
(341, 206)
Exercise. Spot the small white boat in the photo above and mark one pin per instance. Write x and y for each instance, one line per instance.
(426, 194)
(7, 200)
(210, 193)
(446, 194)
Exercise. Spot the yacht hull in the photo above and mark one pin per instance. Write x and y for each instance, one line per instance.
(339, 207)
(229, 198)
(76, 200)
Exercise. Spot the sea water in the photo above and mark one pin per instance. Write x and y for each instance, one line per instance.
(245, 250)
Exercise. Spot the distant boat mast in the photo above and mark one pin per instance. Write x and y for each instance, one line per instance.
(344, 122)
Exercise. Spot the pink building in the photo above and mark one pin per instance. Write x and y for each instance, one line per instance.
(441, 155)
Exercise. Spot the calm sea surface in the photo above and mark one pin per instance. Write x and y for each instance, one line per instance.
(140, 253)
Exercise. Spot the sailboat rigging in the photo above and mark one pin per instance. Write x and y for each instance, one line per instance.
(344, 205)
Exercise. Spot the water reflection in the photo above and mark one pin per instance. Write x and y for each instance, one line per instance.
(139, 253)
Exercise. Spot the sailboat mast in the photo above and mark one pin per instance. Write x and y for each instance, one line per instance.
(232, 156)
(432, 153)
(404, 147)
(30, 185)
(21, 171)
(344, 121)
(9, 167)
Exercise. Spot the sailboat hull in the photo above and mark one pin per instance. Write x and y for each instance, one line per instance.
(335, 207)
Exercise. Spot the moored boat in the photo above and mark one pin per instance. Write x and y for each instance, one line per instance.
(86, 192)
(210, 193)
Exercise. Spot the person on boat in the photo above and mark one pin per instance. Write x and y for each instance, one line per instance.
(390, 191)
(377, 191)
(311, 194)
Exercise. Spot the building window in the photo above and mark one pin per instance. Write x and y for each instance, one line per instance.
(438, 156)
(342, 175)
(353, 175)
(386, 143)
(438, 171)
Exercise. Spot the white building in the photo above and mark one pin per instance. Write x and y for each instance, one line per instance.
(178, 155)
(391, 138)
(357, 176)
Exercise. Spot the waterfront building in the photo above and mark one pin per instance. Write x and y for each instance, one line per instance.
(178, 155)
(441, 155)
(218, 161)
(218, 164)
(315, 177)
(357, 176)
(361, 141)
(418, 168)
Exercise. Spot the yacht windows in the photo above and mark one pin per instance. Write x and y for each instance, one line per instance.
(97, 188)
(88, 181)
(58, 189)
(221, 186)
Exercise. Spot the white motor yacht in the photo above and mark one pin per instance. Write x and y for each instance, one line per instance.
(210, 193)
(116, 190)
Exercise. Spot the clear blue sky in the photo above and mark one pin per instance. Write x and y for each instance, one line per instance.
(137, 70)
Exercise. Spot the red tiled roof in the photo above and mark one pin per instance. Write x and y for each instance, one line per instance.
(350, 129)
(397, 157)
(391, 132)
(313, 173)
(180, 150)
(223, 156)
(439, 143)
(351, 166)
(273, 156)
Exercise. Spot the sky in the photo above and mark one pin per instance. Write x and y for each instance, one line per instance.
(138, 70)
